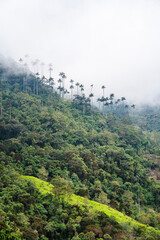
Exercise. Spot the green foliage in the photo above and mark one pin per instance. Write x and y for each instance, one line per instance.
(103, 158)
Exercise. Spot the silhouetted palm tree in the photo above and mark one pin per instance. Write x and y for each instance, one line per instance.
(91, 95)
(133, 106)
(91, 87)
(111, 96)
(123, 99)
(103, 87)
(77, 85)
(63, 76)
(127, 107)
(50, 70)
(51, 83)
(37, 82)
(111, 104)
(21, 62)
(1, 96)
(82, 88)
(71, 87)
(71, 81)
(60, 85)
(66, 91)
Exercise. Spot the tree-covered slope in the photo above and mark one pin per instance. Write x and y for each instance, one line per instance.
(148, 117)
(101, 157)
(34, 209)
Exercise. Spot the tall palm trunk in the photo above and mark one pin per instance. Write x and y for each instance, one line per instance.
(1, 94)
(1, 104)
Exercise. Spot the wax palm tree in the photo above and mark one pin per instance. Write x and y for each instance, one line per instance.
(66, 91)
(63, 76)
(106, 104)
(82, 88)
(71, 87)
(21, 62)
(50, 70)
(103, 87)
(111, 104)
(116, 105)
(51, 83)
(34, 79)
(87, 104)
(50, 80)
(111, 96)
(122, 100)
(77, 85)
(91, 87)
(25, 77)
(71, 81)
(117, 101)
(60, 85)
(37, 82)
(44, 80)
(133, 107)
(127, 107)
(91, 95)
(62, 91)
(1, 95)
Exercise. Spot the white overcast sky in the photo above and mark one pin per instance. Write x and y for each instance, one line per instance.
(115, 43)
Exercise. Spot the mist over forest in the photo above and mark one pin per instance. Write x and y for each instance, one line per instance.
(109, 43)
(79, 120)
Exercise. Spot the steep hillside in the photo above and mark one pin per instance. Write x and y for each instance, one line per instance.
(102, 158)
(34, 209)
(148, 117)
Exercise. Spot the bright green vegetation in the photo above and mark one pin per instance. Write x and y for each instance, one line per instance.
(129, 223)
(102, 158)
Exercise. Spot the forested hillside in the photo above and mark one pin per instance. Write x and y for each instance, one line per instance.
(69, 143)
(148, 117)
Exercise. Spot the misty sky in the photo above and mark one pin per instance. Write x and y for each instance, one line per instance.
(101, 42)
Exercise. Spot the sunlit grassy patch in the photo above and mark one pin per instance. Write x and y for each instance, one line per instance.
(125, 221)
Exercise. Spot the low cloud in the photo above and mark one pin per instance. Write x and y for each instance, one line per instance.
(106, 42)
